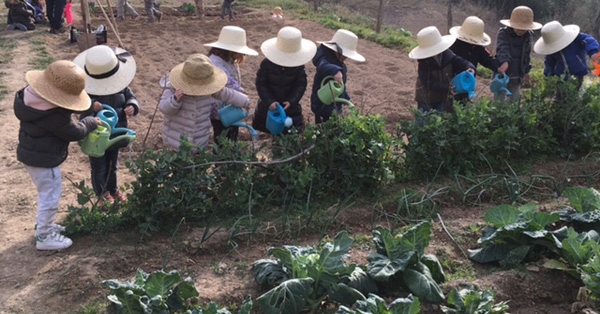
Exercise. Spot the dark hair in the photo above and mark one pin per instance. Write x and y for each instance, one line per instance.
(227, 55)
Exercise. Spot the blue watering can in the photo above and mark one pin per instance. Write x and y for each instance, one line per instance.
(277, 120)
(499, 84)
(109, 115)
(464, 83)
(232, 116)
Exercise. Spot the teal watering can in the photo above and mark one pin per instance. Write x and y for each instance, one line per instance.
(98, 141)
(331, 91)
(277, 120)
(109, 115)
(232, 116)
(499, 84)
(464, 83)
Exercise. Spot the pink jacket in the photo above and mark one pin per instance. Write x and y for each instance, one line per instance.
(68, 13)
(191, 115)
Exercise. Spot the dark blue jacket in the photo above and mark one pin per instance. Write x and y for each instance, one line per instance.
(516, 50)
(574, 54)
(328, 64)
(475, 54)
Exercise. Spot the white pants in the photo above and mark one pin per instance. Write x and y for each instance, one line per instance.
(48, 182)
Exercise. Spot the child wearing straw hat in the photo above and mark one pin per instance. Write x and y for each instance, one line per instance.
(228, 53)
(437, 65)
(470, 44)
(513, 49)
(109, 72)
(186, 101)
(44, 109)
(330, 61)
(281, 77)
(565, 49)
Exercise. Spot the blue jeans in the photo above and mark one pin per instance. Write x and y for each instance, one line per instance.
(104, 172)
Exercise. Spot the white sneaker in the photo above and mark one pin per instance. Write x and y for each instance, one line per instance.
(52, 242)
(53, 228)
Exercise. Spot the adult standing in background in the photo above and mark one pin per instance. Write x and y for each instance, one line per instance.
(122, 6)
(55, 10)
(227, 6)
(513, 49)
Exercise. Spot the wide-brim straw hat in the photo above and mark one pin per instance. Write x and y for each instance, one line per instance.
(430, 43)
(62, 84)
(233, 38)
(347, 41)
(289, 49)
(472, 31)
(522, 18)
(109, 69)
(555, 37)
(197, 76)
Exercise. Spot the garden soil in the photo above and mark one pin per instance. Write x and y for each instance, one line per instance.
(32, 281)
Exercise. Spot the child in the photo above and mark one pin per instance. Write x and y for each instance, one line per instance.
(44, 109)
(281, 78)
(227, 7)
(470, 45)
(122, 6)
(277, 13)
(109, 73)
(55, 10)
(38, 11)
(513, 49)
(565, 44)
(20, 15)
(68, 13)
(187, 97)
(152, 12)
(228, 53)
(437, 66)
(329, 61)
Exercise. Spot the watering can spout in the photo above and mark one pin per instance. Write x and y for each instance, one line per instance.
(244, 125)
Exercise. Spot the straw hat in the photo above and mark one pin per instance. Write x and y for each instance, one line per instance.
(109, 69)
(197, 76)
(522, 18)
(430, 43)
(61, 84)
(347, 41)
(289, 49)
(471, 31)
(233, 38)
(555, 38)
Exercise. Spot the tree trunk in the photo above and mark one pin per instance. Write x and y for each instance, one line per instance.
(316, 5)
(449, 15)
(379, 17)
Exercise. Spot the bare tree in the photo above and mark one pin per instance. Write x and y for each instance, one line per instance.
(379, 17)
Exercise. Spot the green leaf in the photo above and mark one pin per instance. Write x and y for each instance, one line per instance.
(502, 215)
(376, 305)
(344, 294)
(583, 199)
(331, 257)
(161, 283)
(183, 291)
(415, 238)
(422, 285)
(289, 297)
(361, 281)
(381, 268)
(491, 253)
(437, 272)
(269, 273)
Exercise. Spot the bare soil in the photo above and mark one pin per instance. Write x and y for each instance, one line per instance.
(61, 282)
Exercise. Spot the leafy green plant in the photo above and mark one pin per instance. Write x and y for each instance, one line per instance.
(157, 292)
(473, 301)
(213, 308)
(584, 214)
(376, 305)
(187, 7)
(515, 233)
(590, 275)
(399, 260)
(578, 248)
(301, 278)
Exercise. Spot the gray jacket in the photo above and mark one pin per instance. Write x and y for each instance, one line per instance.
(516, 50)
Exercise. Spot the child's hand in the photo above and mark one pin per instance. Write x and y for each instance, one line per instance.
(129, 111)
(96, 106)
(503, 67)
(98, 121)
(286, 105)
(338, 77)
(178, 95)
(273, 106)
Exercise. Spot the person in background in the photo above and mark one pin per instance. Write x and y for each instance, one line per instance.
(44, 108)
(38, 14)
(55, 10)
(20, 15)
(109, 72)
(186, 101)
(437, 65)
(227, 7)
(152, 11)
(228, 53)
(281, 78)
(330, 61)
(513, 49)
(122, 6)
(565, 49)
(470, 44)
(68, 14)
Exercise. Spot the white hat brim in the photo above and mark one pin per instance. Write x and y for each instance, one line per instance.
(424, 53)
(543, 48)
(530, 27)
(307, 51)
(350, 54)
(485, 40)
(235, 48)
(114, 83)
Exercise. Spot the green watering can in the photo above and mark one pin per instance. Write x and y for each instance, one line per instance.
(98, 141)
(331, 91)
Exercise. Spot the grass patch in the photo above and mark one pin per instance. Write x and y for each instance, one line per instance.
(42, 57)
(7, 47)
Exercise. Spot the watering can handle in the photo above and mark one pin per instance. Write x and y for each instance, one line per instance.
(325, 79)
